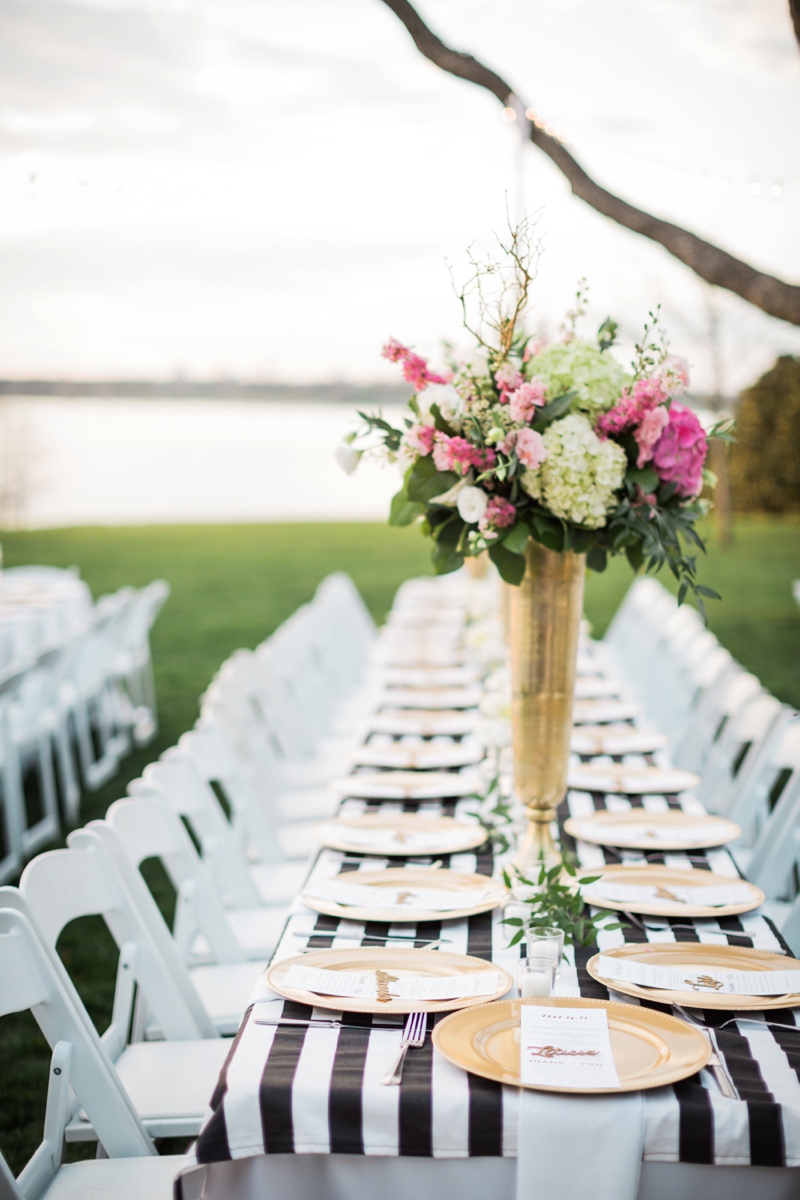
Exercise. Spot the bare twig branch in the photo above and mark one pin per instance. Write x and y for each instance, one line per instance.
(794, 12)
(710, 262)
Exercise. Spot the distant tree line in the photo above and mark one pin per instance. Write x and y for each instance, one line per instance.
(765, 460)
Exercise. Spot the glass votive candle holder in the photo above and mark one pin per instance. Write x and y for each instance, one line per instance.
(536, 977)
(546, 941)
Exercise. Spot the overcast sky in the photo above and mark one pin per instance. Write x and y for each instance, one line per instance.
(269, 188)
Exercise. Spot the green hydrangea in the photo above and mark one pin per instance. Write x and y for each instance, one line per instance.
(579, 477)
(580, 366)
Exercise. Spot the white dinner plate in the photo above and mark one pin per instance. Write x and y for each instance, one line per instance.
(407, 785)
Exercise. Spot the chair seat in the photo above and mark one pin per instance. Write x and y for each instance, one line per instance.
(170, 1084)
(297, 841)
(279, 883)
(257, 930)
(117, 1179)
(225, 990)
(309, 803)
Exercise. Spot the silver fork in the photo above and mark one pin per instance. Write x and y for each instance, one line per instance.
(413, 1036)
(718, 1068)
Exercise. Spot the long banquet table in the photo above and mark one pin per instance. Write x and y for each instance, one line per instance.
(299, 1113)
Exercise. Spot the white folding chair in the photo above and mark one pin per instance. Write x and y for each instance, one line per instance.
(132, 665)
(736, 756)
(169, 1082)
(204, 930)
(216, 994)
(269, 814)
(722, 702)
(79, 1067)
(756, 807)
(177, 780)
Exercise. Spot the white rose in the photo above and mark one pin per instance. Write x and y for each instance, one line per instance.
(472, 504)
(347, 458)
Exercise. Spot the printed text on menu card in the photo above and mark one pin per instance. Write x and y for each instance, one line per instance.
(566, 1048)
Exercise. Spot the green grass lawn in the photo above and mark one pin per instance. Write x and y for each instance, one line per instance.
(232, 585)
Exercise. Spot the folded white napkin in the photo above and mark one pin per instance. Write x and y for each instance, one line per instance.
(579, 1147)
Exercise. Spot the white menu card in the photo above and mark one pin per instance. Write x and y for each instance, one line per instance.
(364, 896)
(399, 841)
(639, 831)
(701, 978)
(383, 985)
(566, 1047)
(712, 895)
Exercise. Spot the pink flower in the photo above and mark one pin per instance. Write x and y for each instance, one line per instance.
(530, 448)
(526, 399)
(629, 411)
(457, 454)
(507, 378)
(395, 351)
(653, 425)
(420, 438)
(415, 368)
(675, 373)
(499, 513)
(680, 452)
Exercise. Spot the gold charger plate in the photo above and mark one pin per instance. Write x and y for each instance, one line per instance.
(452, 723)
(409, 877)
(602, 712)
(693, 955)
(630, 781)
(436, 963)
(615, 739)
(665, 877)
(429, 677)
(401, 834)
(640, 829)
(423, 757)
(434, 698)
(407, 785)
(650, 1048)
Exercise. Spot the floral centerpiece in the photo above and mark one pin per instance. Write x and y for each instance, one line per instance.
(555, 441)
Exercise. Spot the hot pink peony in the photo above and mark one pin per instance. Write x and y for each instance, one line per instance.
(530, 448)
(680, 452)
(526, 399)
(420, 438)
(653, 425)
(457, 454)
(415, 368)
(499, 513)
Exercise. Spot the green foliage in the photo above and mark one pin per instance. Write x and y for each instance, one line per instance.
(424, 482)
(511, 566)
(765, 459)
(559, 904)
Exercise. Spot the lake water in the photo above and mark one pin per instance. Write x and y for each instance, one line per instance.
(125, 461)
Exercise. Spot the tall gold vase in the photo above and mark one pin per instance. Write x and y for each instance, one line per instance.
(545, 613)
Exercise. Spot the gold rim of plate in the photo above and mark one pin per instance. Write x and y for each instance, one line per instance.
(651, 1049)
(454, 881)
(406, 785)
(598, 829)
(464, 836)
(425, 722)
(602, 711)
(631, 781)
(436, 963)
(608, 739)
(689, 954)
(419, 758)
(665, 876)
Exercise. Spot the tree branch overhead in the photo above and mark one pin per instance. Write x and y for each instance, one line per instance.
(710, 262)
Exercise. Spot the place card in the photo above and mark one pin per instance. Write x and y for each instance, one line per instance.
(712, 896)
(383, 985)
(699, 979)
(397, 841)
(364, 896)
(566, 1048)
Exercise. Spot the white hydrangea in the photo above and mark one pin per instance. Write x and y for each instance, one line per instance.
(578, 479)
(580, 366)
